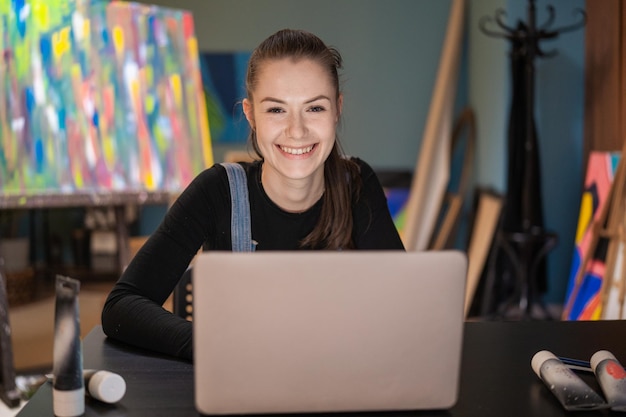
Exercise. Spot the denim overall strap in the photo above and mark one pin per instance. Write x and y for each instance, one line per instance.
(241, 229)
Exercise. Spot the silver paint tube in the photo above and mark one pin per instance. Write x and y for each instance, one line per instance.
(612, 378)
(571, 391)
(68, 393)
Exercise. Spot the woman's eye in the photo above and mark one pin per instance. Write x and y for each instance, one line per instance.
(316, 109)
(274, 110)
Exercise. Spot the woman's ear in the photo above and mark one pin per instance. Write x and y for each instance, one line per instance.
(247, 110)
(339, 106)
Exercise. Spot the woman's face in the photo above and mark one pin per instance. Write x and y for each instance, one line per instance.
(294, 110)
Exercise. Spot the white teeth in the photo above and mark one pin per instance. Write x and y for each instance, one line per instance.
(297, 151)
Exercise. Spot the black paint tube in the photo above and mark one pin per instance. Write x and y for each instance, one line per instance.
(68, 393)
(102, 385)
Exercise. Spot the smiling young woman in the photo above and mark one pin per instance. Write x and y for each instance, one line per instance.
(303, 192)
(294, 109)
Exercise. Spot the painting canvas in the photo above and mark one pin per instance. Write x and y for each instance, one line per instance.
(223, 78)
(396, 185)
(397, 198)
(584, 297)
(99, 96)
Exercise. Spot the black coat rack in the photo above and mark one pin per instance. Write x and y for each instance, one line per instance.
(516, 271)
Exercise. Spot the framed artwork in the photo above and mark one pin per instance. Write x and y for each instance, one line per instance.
(223, 78)
(486, 217)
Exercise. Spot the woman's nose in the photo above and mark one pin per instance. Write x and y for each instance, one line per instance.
(296, 127)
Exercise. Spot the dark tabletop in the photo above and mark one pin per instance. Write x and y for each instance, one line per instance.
(496, 377)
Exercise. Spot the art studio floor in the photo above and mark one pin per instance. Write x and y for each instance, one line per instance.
(32, 329)
(32, 325)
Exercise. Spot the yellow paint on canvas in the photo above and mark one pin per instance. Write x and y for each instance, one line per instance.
(108, 146)
(50, 153)
(177, 89)
(41, 15)
(585, 218)
(61, 42)
(597, 313)
(149, 181)
(108, 149)
(76, 75)
(78, 176)
(149, 74)
(87, 30)
(118, 41)
(134, 94)
(192, 47)
(204, 130)
(149, 103)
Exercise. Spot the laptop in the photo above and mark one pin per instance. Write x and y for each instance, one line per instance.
(321, 331)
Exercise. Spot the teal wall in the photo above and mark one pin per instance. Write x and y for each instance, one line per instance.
(391, 50)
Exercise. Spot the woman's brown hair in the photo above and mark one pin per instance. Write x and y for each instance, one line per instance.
(342, 182)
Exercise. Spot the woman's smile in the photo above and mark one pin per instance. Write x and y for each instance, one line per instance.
(297, 151)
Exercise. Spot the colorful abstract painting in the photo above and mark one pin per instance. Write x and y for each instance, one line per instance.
(223, 78)
(583, 298)
(99, 96)
(397, 198)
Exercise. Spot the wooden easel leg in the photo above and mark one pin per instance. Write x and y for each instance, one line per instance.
(622, 283)
(614, 226)
(123, 251)
(9, 393)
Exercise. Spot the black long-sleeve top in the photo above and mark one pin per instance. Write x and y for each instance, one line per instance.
(133, 311)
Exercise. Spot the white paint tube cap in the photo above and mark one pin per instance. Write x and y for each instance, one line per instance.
(539, 358)
(107, 386)
(68, 403)
(599, 356)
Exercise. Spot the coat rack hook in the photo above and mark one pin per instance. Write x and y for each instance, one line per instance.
(551, 17)
(574, 26)
(499, 19)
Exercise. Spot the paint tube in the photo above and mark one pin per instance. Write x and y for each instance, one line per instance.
(611, 377)
(105, 386)
(571, 391)
(68, 389)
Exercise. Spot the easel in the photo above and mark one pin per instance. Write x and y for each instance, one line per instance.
(9, 393)
(610, 225)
